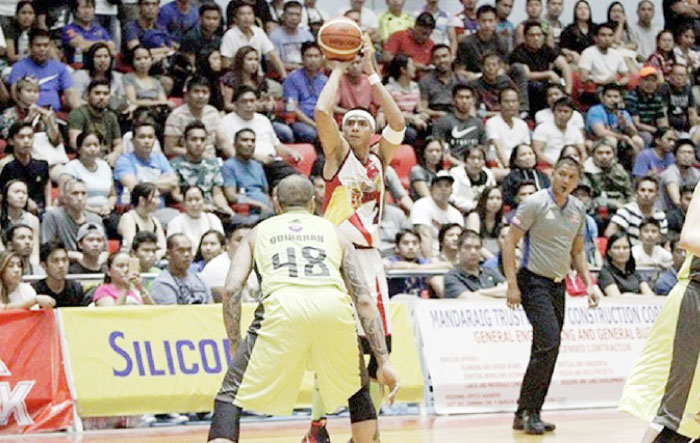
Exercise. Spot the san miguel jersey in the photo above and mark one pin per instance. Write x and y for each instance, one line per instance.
(297, 251)
(354, 197)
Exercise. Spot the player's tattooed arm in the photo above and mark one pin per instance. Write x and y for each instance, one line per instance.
(366, 310)
(235, 282)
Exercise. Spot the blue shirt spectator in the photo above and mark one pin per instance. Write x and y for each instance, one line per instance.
(246, 175)
(648, 162)
(288, 46)
(176, 22)
(666, 281)
(304, 89)
(145, 171)
(600, 114)
(53, 77)
(155, 37)
(94, 33)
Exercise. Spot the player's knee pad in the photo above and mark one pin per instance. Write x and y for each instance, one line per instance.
(361, 407)
(225, 421)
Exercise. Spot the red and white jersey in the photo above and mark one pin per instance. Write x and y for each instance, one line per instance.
(354, 199)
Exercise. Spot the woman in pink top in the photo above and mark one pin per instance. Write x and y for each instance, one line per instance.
(399, 74)
(119, 281)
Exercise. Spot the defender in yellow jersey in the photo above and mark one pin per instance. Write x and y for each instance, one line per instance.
(664, 385)
(309, 280)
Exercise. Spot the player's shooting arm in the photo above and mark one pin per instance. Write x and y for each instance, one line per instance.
(241, 265)
(366, 310)
(328, 131)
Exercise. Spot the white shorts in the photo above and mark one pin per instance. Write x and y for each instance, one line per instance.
(371, 269)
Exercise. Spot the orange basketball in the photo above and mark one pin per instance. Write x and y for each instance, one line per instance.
(340, 39)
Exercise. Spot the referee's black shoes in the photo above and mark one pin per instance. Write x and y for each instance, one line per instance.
(530, 422)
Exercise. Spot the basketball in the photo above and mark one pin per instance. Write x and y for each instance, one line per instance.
(340, 39)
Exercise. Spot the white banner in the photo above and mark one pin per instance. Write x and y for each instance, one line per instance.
(476, 352)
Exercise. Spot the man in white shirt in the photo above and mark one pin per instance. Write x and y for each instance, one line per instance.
(601, 63)
(550, 137)
(429, 213)
(554, 93)
(643, 33)
(506, 130)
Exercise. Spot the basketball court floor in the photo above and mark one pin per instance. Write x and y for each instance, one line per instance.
(580, 426)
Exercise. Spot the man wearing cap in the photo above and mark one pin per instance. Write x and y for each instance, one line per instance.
(429, 213)
(553, 224)
(91, 241)
(646, 105)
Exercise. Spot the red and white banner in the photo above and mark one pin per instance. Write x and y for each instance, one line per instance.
(34, 394)
(476, 352)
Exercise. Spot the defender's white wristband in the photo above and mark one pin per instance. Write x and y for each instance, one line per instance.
(374, 79)
(393, 137)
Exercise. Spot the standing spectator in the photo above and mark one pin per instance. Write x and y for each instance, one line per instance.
(679, 175)
(435, 210)
(21, 239)
(394, 19)
(644, 32)
(549, 138)
(554, 93)
(196, 220)
(145, 198)
(17, 33)
(619, 274)
(67, 293)
(551, 18)
(504, 27)
(460, 129)
(601, 64)
(579, 35)
(98, 64)
(97, 116)
(650, 253)
(522, 163)
(444, 31)
(14, 294)
(472, 48)
(215, 272)
(91, 243)
(491, 83)
(662, 59)
(77, 37)
(436, 85)
(303, 87)
(289, 38)
(13, 211)
(33, 172)
(506, 130)
(668, 279)
(122, 286)
(414, 42)
(177, 284)
(610, 182)
(430, 161)
(147, 32)
(646, 105)
(406, 94)
(54, 78)
(680, 103)
(178, 18)
(205, 36)
(64, 222)
(630, 216)
(469, 277)
(470, 179)
(655, 159)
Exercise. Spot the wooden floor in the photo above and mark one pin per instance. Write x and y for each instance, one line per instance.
(585, 426)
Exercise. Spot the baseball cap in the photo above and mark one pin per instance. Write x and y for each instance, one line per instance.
(647, 71)
(88, 228)
(442, 175)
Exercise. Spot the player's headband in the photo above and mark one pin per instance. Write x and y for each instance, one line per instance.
(360, 113)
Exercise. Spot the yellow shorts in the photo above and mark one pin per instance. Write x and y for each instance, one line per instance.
(294, 331)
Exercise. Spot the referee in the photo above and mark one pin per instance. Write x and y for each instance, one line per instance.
(552, 223)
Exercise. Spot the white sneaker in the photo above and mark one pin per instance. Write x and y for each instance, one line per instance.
(147, 420)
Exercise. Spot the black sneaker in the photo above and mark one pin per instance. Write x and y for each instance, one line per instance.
(519, 423)
(317, 433)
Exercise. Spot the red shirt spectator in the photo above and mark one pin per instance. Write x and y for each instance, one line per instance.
(403, 42)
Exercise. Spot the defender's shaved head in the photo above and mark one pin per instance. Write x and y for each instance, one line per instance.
(295, 190)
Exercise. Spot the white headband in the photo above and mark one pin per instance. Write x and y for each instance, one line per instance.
(360, 113)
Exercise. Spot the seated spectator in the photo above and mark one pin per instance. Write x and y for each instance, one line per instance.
(211, 245)
(312, 18)
(195, 221)
(680, 103)
(145, 198)
(67, 293)
(97, 116)
(584, 192)
(432, 211)
(393, 221)
(122, 286)
(21, 238)
(414, 42)
(205, 36)
(506, 130)
(550, 137)
(196, 108)
(678, 175)
(579, 35)
(655, 159)
(650, 253)
(676, 216)
(601, 64)
(437, 84)
(490, 84)
(394, 19)
(524, 189)
(406, 94)
(486, 219)
(47, 143)
(407, 257)
(473, 47)
(303, 87)
(539, 61)
(522, 168)
(470, 179)
(460, 128)
(177, 284)
(646, 105)
(395, 188)
(53, 76)
(621, 37)
(144, 165)
(445, 26)
(496, 262)
(683, 53)
(448, 237)
(144, 246)
(367, 18)
(195, 170)
(289, 37)
(13, 211)
(146, 31)
(662, 59)
(99, 65)
(430, 161)
(554, 93)
(94, 172)
(469, 278)
(33, 172)
(79, 36)
(355, 91)
(14, 294)
(91, 243)
(244, 32)
(209, 66)
(610, 182)
(178, 17)
(630, 216)
(668, 279)
(619, 274)
(215, 272)
(17, 34)
(140, 87)
(533, 9)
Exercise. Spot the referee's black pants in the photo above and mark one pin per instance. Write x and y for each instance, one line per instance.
(543, 302)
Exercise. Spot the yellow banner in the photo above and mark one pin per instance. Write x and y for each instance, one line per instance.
(142, 359)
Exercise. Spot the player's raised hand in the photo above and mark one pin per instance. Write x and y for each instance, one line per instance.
(387, 376)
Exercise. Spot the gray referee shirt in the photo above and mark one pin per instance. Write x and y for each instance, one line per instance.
(549, 232)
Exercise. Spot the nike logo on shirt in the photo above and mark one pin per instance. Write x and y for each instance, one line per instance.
(47, 79)
(459, 134)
